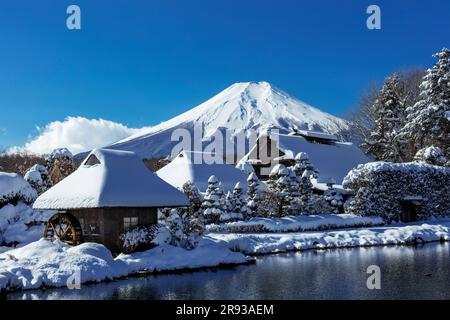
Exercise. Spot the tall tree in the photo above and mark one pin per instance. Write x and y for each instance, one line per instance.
(388, 111)
(428, 121)
(362, 120)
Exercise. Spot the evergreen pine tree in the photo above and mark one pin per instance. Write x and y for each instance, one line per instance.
(428, 121)
(302, 165)
(279, 187)
(37, 176)
(240, 203)
(230, 201)
(388, 111)
(253, 194)
(334, 198)
(194, 196)
(213, 204)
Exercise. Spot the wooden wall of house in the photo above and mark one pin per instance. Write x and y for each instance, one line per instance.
(105, 225)
(266, 150)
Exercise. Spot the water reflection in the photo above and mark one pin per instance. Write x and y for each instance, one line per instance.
(407, 273)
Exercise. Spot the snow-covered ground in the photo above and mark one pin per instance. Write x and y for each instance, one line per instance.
(297, 223)
(400, 234)
(44, 263)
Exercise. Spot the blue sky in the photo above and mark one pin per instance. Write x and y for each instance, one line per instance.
(142, 62)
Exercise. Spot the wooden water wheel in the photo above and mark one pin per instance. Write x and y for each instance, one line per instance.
(65, 227)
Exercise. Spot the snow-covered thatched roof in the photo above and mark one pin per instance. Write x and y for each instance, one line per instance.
(184, 168)
(333, 160)
(111, 178)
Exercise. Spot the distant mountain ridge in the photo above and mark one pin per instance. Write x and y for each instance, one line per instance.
(239, 108)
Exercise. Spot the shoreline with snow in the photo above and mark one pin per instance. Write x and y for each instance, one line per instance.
(255, 244)
(24, 269)
(298, 223)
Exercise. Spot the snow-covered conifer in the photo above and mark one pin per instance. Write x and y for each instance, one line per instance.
(253, 194)
(334, 197)
(214, 203)
(229, 201)
(388, 111)
(194, 196)
(37, 177)
(279, 186)
(303, 164)
(240, 203)
(428, 121)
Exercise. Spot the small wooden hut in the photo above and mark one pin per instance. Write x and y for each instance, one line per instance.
(111, 192)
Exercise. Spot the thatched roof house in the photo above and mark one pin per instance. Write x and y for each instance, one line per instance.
(109, 193)
(332, 158)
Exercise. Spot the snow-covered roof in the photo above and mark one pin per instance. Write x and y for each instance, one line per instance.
(183, 168)
(333, 161)
(111, 178)
(315, 134)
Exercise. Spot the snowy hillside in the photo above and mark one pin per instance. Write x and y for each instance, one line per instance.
(242, 106)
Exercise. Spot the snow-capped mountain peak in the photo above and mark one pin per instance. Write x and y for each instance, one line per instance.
(240, 107)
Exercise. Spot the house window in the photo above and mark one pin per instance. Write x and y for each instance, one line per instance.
(130, 222)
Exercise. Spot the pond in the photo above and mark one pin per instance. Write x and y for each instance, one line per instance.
(407, 272)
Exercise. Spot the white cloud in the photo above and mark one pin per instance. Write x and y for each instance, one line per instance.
(78, 134)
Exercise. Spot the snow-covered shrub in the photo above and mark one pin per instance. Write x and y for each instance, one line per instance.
(37, 177)
(184, 228)
(214, 202)
(14, 188)
(144, 238)
(380, 188)
(334, 197)
(432, 155)
(186, 224)
(19, 223)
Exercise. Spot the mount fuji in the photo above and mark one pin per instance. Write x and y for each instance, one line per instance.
(240, 107)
